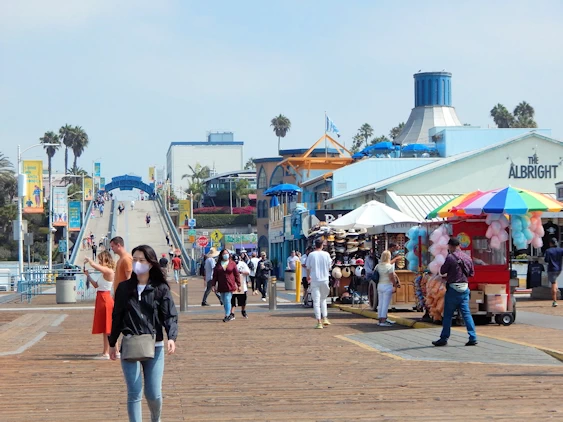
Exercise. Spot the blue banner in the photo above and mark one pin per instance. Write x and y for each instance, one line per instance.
(97, 170)
(102, 183)
(74, 215)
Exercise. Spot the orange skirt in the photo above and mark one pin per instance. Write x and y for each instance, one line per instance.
(102, 313)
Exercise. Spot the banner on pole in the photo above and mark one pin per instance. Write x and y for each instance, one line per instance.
(33, 200)
(102, 183)
(184, 206)
(74, 215)
(152, 178)
(88, 189)
(60, 205)
(97, 170)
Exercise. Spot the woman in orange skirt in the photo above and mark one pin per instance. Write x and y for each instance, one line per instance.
(104, 302)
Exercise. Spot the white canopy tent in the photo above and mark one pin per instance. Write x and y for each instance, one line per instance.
(374, 216)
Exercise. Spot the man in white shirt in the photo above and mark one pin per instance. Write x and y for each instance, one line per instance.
(318, 269)
(255, 261)
(291, 260)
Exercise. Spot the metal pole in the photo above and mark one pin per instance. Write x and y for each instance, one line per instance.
(191, 205)
(83, 208)
(50, 248)
(28, 256)
(20, 216)
(273, 293)
(231, 195)
(184, 295)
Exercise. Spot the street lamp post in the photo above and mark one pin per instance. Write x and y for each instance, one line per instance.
(68, 220)
(231, 194)
(22, 181)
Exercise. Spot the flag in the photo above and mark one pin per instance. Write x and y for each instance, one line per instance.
(331, 127)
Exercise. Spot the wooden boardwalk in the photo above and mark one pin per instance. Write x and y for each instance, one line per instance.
(270, 367)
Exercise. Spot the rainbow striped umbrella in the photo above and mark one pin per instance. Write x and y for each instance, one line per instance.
(509, 200)
(447, 209)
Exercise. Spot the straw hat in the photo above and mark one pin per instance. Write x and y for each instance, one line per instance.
(330, 238)
(213, 252)
(352, 243)
(362, 231)
(352, 233)
(340, 240)
(336, 273)
(340, 233)
(346, 272)
(352, 249)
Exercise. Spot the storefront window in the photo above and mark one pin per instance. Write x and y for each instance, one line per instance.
(483, 254)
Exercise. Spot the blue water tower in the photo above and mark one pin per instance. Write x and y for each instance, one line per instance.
(433, 89)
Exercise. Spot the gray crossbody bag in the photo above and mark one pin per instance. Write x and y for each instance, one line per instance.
(137, 348)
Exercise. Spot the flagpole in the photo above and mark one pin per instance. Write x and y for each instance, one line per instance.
(326, 144)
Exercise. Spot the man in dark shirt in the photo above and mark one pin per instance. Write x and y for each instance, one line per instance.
(263, 274)
(458, 267)
(163, 262)
(553, 256)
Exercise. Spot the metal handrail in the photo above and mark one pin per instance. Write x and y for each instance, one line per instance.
(78, 242)
(186, 260)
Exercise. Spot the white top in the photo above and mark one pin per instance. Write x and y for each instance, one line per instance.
(140, 288)
(255, 262)
(291, 260)
(318, 265)
(242, 267)
(104, 285)
(384, 270)
(304, 260)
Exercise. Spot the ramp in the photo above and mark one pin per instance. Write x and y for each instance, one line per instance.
(97, 225)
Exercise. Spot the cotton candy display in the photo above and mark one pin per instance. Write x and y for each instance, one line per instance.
(496, 232)
(527, 230)
(439, 248)
(537, 229)
(417, 235)
(434, 299)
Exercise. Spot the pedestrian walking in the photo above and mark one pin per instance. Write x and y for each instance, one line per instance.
(176, 266)
(163, 263)
(208, 267)
(254, 260)
(263, 271)
(318, 270)
(94, 250)
(101, 210)
(144, 305)
(132, 204)
(148, 219)
(385, 287)
(104, 302)
(170, 255)
(226, 280)
(291, 261)
(553, 257)
(239, 296)
(124, 266)
(458, 267)
(168, 238)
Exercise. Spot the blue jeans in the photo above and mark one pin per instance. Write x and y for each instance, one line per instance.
(152, 372)
(452, 301)
(226, 298)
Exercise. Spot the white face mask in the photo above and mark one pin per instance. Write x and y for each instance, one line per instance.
(140, 268)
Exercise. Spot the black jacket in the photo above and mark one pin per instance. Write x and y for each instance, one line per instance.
(264, 273)
(130, 316)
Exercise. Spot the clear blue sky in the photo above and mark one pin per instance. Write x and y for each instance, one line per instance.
(139, 74)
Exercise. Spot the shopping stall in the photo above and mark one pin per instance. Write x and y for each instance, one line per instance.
(490, 227)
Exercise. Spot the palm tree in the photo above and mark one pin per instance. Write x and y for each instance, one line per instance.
(8, 184)
(241, 190)
(281, 125)
(524, 114)
(74, 171)
(365, 132)
(502, 117)
(6, 166)
(66, 136)
(50, 138)
(196, 186)
(79, 143)
(396, 131)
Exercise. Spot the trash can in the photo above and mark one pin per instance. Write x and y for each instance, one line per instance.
(289, 279)
(65, 288)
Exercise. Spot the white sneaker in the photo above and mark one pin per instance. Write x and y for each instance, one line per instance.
(101, 357)
(263, 299)
(389, 321)
(385, 324)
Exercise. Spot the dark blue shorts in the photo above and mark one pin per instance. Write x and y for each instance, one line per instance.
(552, 276)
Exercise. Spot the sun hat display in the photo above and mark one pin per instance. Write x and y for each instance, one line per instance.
(352, 243)
(336, 272)
(359, 261)
(346, 272)
(363, 230)
(352, 233)
(353, 261)
(340, 240)
(352, 249)
(340, 233)
(330, 238)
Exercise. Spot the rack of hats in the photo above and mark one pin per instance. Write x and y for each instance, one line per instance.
(348, 249)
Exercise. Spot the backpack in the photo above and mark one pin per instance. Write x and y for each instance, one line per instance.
(251, 265)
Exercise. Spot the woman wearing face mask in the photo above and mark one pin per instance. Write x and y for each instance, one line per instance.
(226, 280)
(142, 304)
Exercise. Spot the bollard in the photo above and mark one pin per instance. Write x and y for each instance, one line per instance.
(184, 295)
(273, 293)
(298, 277)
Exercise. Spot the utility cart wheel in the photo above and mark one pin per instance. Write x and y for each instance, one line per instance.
(506, 319)
(498, 319)
(372, 295)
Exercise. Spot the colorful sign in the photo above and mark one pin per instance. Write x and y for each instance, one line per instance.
(202, 241)
(60, 205)
(241, 238)
(152, 177)
(33, 200)
(184, 206)
(160, 176)
(533, 170)
(88, 189)
(74, 216)
(97, 170)
(102, 183)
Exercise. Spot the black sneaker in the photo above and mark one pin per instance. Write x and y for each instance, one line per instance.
(244, 314)
(226, 319)
(472, 343)
(204, 304)
(231, 317)
(439, 343)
